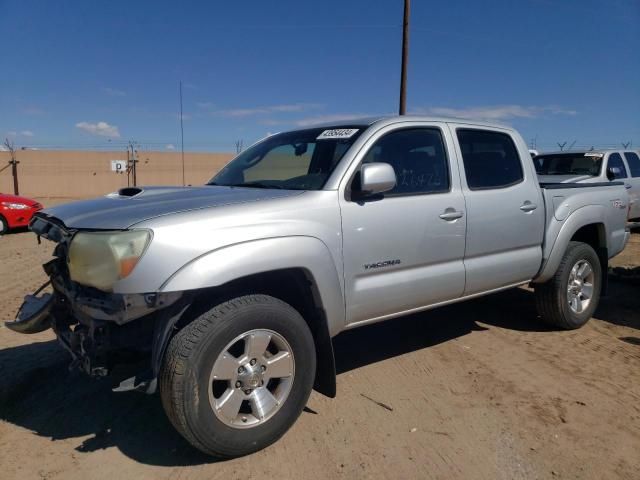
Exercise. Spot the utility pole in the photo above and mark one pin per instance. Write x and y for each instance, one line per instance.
(405, 58)
(14, 164)
(182, 136)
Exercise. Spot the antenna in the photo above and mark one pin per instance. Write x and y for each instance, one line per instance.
(405, 58)
(181, 135)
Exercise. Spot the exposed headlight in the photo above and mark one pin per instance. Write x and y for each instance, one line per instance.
(14, 206)
(99, 259)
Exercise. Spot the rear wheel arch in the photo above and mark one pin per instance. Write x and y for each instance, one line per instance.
(595, 235)
(586, 225)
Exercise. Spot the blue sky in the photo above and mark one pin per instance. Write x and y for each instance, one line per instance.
(95, 73)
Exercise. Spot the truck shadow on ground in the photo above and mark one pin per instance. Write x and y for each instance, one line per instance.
(38, 393)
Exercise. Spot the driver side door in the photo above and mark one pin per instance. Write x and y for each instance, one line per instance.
(403, 250)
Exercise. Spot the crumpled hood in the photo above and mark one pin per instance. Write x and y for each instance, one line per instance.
(567, 178)
(133, 205)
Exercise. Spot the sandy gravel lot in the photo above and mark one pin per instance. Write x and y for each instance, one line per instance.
(478, 390)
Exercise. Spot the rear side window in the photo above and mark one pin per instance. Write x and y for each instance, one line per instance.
(634, 163)
(615, 161)
(490, 159)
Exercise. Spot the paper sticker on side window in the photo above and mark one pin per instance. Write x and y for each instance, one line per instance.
(337, 133)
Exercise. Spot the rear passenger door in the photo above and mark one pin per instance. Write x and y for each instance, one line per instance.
(633, 161)
(505, 210)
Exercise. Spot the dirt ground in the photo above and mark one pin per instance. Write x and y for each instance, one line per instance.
(478, 390)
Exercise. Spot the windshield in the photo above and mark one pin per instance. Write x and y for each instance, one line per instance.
(569, 164)
(298, 160)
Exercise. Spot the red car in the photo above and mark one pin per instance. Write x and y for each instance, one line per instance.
(16, 211)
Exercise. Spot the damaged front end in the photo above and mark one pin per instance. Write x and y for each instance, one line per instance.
(101, 330)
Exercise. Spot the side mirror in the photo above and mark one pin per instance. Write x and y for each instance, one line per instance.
(377, 178)
(613, 173)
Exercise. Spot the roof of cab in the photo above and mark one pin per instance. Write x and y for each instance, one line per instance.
(389, 119)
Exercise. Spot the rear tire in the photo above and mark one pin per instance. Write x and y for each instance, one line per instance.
(256, 344)
(570, 297)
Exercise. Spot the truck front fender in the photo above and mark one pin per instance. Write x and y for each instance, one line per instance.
(559, 234)
(233, 262)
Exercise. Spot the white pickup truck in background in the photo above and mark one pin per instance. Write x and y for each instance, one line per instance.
(594, 167)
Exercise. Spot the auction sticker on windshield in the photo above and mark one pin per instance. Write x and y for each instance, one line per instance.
(337, 133)
(596, 155)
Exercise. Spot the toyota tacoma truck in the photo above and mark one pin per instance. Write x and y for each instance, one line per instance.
(225, 297)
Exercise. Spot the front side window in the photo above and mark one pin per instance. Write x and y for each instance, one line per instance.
(615, 161)
(569, 164)
(298, 160)
(634, 163)
(418, 157)
(490, 159)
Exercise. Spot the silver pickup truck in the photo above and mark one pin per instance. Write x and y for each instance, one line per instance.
(227, 295)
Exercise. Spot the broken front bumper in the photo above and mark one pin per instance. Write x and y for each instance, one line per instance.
(103, 330)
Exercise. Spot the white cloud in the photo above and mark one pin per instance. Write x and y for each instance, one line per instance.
(3, 148)
(339, 117)
(26, 133)
(114, 92)
(102, 129)
(185, 116)
(170, 146)
(205, 105)
(12, 134)
(494, 112)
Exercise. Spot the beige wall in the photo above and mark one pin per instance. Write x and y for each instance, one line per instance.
(51, 173)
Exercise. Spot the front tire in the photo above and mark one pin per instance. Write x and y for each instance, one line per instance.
(570, 297)
(236, 378)
(4, 226)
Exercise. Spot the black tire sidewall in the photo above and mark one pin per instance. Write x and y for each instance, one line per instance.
(201, 419)
(580, 251)
(4, 226)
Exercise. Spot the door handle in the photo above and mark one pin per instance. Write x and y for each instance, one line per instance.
(528, 207)
(451, 215)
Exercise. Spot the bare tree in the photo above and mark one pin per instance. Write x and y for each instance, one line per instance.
(626, 145)
(561, 145)
(239, 144)
(11, 148)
